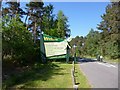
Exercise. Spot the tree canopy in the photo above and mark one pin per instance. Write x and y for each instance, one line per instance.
(21, 37)
(107, 41)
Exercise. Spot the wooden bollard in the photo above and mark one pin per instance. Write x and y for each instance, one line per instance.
(73, 77)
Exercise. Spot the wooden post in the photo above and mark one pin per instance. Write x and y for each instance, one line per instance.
(73, 77)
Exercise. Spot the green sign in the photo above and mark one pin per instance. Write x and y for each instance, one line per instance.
(54, 46)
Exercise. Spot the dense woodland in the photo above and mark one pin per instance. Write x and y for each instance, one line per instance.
(21, 37)
(106, 40)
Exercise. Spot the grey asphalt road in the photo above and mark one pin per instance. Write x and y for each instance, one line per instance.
(100, 75)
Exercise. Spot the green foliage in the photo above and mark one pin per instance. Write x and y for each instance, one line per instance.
(20, 39)
(17, 41)
(48, 21)
(107, 41)
(35, 11)
(78, 41)
(41, 18)
(51, 25)
(13, 9)
(62, 25)
(92, 43)
(110, 30)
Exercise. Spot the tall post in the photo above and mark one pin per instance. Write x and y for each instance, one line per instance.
(42, 48)
(75, 57)
(83, 49)
(67, 54)
(74, 53)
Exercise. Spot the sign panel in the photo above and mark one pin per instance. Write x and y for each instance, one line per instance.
(55, 48)
(48, 38)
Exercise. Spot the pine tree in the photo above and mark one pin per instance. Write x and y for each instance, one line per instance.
(110, 30)
(35, 10)
(13, 9)
(62, 26)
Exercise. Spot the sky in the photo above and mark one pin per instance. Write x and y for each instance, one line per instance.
(82, 16)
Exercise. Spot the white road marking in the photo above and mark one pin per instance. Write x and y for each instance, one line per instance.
(113, 66)
(106, 64)
(103, 64)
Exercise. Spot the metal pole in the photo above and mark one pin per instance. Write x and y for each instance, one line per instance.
(75, 54)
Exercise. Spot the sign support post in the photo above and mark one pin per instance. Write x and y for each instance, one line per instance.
(67, 54)
(42, 48)
(75, 57)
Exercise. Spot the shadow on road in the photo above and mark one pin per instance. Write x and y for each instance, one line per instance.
(86, 60)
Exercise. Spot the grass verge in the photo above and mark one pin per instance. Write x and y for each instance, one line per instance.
(51, 75)
(81, 80)
(111, 60)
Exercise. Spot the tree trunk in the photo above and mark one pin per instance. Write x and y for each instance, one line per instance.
(34, 32)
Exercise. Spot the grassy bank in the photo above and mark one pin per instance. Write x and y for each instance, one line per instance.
(111, 60)
(51, 75)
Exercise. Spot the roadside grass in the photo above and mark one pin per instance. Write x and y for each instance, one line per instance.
(119, 61)
(51, 75)
(111, 60)
(80, 78)
(54, 74)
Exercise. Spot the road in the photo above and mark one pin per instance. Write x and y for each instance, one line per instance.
(100, 75)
